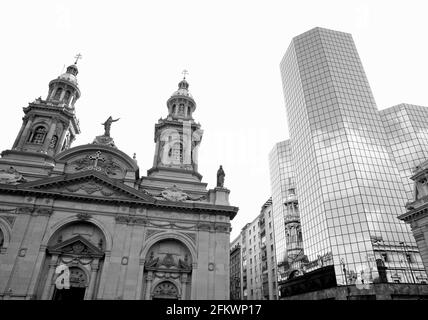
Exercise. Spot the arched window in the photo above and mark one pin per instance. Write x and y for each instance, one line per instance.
(67, 96)
(176, 153)
(39, 135)
(181, 109)
(58, 93)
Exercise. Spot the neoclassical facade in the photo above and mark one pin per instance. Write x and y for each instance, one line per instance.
(84, 213)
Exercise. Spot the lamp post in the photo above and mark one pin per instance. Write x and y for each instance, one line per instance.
(408, 262)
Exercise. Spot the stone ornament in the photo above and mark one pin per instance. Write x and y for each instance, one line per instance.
(22, 252)
(174, 194)
(90, 187)
(211, 266)
(97, 162)
(83, 216)
(11, 176)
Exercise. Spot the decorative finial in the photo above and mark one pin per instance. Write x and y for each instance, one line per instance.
(185, 72)
(134, 156)
(78, 56)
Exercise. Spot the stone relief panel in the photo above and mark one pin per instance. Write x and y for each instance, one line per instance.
(168, 255)
(98, 161)
(11, 176)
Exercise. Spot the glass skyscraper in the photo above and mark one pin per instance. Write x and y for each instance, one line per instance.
(349, 187)
(285, 211)
(406, 127)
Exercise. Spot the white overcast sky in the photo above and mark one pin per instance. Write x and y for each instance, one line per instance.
(134, 53)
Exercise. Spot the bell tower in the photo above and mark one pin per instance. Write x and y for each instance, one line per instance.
(49, 125)
(177, 138)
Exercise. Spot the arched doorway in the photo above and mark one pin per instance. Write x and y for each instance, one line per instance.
(78, 247)
(168, 271)
(165, 290)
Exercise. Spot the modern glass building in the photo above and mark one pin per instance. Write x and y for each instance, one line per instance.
(349, 187)
(406, 127)
(285, 209)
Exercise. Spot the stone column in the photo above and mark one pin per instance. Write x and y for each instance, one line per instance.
(140, 280)
(61, 139)
(50, 135)
(193, 291)
(94, 270)
(25, 133)
(49, 279)
(183, 286)
(149, 284)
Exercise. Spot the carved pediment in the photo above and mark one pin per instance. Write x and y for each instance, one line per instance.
(76, 246)
(86, 184)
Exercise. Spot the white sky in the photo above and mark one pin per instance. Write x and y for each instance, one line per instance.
(134, 52)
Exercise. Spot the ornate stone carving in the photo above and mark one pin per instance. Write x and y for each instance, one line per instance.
(11, 176)
(191, 236)
(125, 261)
(211, 266)
(223, 227)
(204, 226)
(22, 252)
(130, 219)
(122, 219)
(83, 216)
(9, 219)
(43, 211)
(151, 232)
(174, 194)
(25, 210)
(105, 163)
(90, 187)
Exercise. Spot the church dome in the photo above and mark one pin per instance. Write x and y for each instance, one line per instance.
(69, 77)
(183, 89)
(70, 74)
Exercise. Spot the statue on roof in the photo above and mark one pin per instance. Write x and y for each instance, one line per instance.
(220, 177)
(107, 125)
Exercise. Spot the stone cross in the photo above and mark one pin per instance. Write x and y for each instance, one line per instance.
(78, 56)
(96, 157)
(185, 72)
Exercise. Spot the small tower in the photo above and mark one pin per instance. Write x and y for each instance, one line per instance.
(49, 126)
(178, 137)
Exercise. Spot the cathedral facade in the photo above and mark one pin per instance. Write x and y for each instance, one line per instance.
(81, 223)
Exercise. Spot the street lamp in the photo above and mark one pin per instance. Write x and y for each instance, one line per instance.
(408, 262)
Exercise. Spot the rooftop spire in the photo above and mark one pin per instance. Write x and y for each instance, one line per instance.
(185, 72)
(77, 57)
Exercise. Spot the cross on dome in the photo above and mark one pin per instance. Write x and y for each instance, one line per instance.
(77, 57)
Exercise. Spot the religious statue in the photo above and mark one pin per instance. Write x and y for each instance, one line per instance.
(220, 177)
(107, 125)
